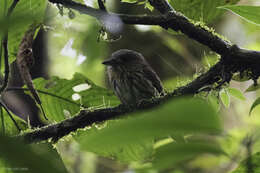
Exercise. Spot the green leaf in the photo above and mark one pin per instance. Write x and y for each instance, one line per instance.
(200, 10)
(214, 101)
(256, 103)
(7, 125)
(133, 152)
(129, 1)
(57, 96)
(249, 13)
(236, 93)
(252, 87)
(170, 118)
(170, 155)
(26, 13)
(224, 96)
(18, 156)
(148, 6)
(255, 162)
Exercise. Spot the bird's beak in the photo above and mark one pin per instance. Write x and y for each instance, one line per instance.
(108, 62)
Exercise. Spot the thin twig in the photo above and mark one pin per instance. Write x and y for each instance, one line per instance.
(101, 5)
(10, 115)
(43, 92)
(1, 52)
(2, 120)
(5, 45)
(6, 62)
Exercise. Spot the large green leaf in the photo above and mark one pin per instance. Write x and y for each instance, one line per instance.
(133, 152)
(200, 10)
(224, 96)
(170, 155)
(20, 157)
(26, 13)
(184, 116)
(236, 93)
(249, 13)
(56, 96)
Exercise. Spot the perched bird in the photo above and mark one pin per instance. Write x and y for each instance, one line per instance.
(132, 78)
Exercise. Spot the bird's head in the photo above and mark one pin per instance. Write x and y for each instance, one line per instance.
(125, 58)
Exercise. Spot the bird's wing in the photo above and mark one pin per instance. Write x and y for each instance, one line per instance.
(153, 77)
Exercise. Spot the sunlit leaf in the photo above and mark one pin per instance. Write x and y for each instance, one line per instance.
(224, 96)
(200, 10)
(61, 97)
(129, 1)
(249, 13)
(255, 104)
(236, 93)
(84, 44)
(148, 6)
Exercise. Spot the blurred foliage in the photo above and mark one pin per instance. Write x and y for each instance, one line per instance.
(25, 14)
(16, 156)
(253, 161)
(74, 45)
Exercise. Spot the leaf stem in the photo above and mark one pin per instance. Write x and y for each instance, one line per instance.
(5, 45)
(10, 115)
(2, 120)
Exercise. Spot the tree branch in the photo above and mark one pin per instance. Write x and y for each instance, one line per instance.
(219, 74)
(233, 59)
(169, 19)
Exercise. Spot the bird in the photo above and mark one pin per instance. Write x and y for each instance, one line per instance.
(132, 79)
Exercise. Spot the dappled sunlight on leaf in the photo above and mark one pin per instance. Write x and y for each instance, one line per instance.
(58, 94)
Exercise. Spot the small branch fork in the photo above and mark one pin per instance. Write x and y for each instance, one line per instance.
(233, 59)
